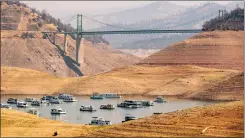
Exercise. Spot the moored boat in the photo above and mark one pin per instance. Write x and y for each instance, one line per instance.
(108, 106)
(29, 99)
(57, 110)
(22, 104)
(36, 103)
(63, 96)
(69, 99)
(99, 121)
(5, 106)
(130, 104)
(55, 100)
(97, 96)
(12, 101)
(33, 111)
(87, 108)
(147, 103)
(111, 95)
(160, 100)
(129, 117)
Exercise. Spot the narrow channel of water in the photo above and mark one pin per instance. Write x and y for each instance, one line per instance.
(74, 115)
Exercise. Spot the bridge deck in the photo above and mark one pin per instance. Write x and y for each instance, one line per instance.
(130, 32)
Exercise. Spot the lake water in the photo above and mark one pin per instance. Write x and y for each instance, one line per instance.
(74, 115)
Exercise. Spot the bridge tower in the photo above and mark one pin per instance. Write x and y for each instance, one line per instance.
(79, 41)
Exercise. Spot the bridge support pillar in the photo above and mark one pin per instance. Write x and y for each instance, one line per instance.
(65, 44)
(54, 39)
(80, 50)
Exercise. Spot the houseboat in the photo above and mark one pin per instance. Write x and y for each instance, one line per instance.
(99, 121)
(36, 103)
(63, 96)
(55, 100)
(97, 96)
(47, 97)
(5, 106)
(69, 99)
(129, 117)
(147, 103)
(160, 100)
(57, 110)
(12, 101)
(22, 104)
(29, 99)
(87, 108)
(33, 111)
(130, 104)
(111, 95)
(108, 106)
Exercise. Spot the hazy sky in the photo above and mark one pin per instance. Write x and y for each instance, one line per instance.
(58, 8)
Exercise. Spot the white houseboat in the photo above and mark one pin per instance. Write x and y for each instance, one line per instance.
(87, 108)
(97, 96)
(57, 110)
(55, 100)
(160, 100)
(108, 106)
(130, 104)
(69, 99)
(5, 106)
(99, 121)
(33, 111)
(63, 96)
(22, 104)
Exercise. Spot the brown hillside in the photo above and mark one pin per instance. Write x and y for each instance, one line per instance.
(217, 49)
(183, 81)
(223, 120)
(40, 54)
(231, 88)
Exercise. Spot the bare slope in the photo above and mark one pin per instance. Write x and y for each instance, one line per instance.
(224, 119)
(183, 81)
(37, 53)
(19, 124)
(220, 120)
(216, 49)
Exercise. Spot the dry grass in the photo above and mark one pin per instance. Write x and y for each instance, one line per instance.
(183, 81)
(220, 120)
(19, 124)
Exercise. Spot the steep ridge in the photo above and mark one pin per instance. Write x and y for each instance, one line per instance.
(31, 50)
(216, 49)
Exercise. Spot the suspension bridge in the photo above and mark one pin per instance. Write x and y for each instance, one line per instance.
(80, 33)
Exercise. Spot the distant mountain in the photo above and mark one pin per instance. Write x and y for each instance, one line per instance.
(161, 18)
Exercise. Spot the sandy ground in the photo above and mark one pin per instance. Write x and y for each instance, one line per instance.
(225, 119)
(181, 81)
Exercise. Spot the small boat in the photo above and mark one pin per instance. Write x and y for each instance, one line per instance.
(22, 104)
(99, 121)
(33, 111)
(147, 103)
(55, 100)
(97, 96)
(130, 104)
(29, 99)
(5, 106)
(63, 96)
(36, 103)
(47, 97)
(12, 101)
(111, 95)
(57, 110)
(160, 100)
(87, 108)
(129, 118)
(69, 99)
(108, 106)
